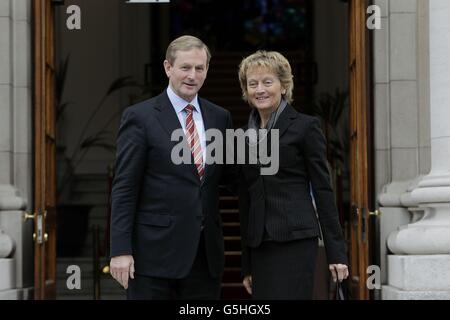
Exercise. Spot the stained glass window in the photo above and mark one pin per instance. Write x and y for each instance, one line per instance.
(235, 25)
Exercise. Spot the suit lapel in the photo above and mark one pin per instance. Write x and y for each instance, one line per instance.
(285, 119)
(167, 116)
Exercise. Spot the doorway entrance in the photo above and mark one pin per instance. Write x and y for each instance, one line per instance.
(232, 29)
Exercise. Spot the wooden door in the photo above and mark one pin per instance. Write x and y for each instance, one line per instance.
(44, 152)
(360, 148)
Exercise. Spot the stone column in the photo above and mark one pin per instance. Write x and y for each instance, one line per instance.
(9, 202)
(16, 245)
(420, 268)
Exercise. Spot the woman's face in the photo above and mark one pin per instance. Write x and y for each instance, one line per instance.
(264, 89)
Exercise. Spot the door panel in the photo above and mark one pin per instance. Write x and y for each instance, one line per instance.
(360, 148)
(44, 152)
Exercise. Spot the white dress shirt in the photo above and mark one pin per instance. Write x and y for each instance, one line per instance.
(179, 104)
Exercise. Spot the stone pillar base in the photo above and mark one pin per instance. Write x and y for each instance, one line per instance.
(393, 293)
(7, 274)
(17, 294)
(418, 277)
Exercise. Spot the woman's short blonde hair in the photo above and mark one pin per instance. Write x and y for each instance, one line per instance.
(186, 43)
(274, 62)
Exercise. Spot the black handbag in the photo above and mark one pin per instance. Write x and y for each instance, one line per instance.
(339, 292)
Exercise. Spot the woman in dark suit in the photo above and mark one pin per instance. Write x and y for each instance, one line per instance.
(279, 221)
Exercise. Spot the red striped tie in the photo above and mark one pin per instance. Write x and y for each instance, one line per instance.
(194, 141)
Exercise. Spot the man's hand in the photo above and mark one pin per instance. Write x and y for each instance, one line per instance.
(338, 271)
(248, 284)
(122, 268)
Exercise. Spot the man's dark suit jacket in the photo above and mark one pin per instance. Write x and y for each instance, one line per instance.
(282, 203)
(159, 208)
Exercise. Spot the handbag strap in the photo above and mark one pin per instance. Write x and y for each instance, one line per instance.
(339, 293)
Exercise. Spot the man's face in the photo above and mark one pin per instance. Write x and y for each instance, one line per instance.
(187, 73)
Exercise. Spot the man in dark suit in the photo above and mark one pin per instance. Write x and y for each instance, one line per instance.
(166, 232)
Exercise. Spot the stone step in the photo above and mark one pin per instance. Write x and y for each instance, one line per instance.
(107, 285)
(232, 243)
(229, 215)
(234, 291)
(90, 297)
(228, 198)
(99, 211)
(91, 177)
(231, 228)
(228, 202)
(91, 186)
(232, 259)
(97, 221)
(87, 290)
(84, 183)
(92, 198)
(232, 275)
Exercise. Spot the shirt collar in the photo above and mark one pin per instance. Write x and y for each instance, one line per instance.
(179, 103)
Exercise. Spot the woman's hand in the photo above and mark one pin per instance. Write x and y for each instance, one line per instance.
(338, 271)
(248, 284)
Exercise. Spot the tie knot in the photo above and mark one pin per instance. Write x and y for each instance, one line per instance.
(189, 108)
